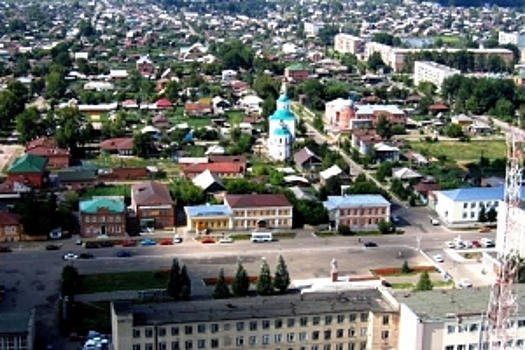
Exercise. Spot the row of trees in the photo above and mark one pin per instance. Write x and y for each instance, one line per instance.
(179, 283)
(266, 285)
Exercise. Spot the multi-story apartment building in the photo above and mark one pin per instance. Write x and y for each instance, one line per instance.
(357, 211)
(102, 216)
(432, 72)
(514, 38)
(312, 28)
(451, 319)
(152, 204)
(351, 320)
(346, 43)
(17, 330)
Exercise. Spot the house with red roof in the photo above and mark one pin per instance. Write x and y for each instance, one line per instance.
(195, 109)
(46, 147)
(221, 169)
(163, 103)
(122, 146)
(10, 227)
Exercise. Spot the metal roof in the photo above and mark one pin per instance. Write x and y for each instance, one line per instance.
(208, 210)
(282, 114)
(93, 205)
(476, 194)
(358, 200)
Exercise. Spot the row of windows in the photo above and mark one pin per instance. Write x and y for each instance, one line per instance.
(108, 229)
(487, 205)
(102, 218)
(214, 344)
(369, 211)
(518, 343)
(474, 327)
(360, 222)
(261, 213)
(264, 324)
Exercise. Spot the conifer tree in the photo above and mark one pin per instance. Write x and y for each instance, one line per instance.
(264, 283)
(185, 284)
(221, 290)
(174, 286)
(282, 277)
(241, 281)
(424, 282)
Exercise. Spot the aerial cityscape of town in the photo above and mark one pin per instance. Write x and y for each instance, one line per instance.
(285, 175)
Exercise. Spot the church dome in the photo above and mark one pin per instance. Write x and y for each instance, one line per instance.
(282, 114)
(281, 132)
(283, 98)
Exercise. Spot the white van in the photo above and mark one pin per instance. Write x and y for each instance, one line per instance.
(260, 237)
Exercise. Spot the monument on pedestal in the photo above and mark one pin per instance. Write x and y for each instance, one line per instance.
(334, 271)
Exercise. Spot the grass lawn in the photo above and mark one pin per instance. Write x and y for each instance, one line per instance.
(452, 40)
(235, 117)
(117, 190)
(462, 151)
(111, 161)
(94, 316)
(111, 282)
(436, 284)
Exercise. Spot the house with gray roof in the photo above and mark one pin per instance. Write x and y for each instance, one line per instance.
(359, 212)
(17, 330)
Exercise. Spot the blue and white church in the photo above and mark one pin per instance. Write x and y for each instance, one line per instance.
(281, 129)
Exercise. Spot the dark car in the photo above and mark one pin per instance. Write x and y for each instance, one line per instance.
(91, 245)
(5, 250)
(52, 247)
(106, 244)
(86, 256)
(370, 244)
(123, 254)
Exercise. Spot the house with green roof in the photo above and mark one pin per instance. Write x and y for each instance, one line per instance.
(102, 217)
(28, 169)
(297, 72)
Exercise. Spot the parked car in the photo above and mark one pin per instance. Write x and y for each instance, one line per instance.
(86, 256)
(78, 241)
(395, 219)
(207, 240)
(106, 244)
(177, 239)
(166, 241)
(5, 250)
(226, 239)
(370, 244)
(464, 283)
(434, 222)
(439, 259)
(123, 254)
(147, 242)
(52, 247)
(70, 256)
(450, 245)
(129, 243)
(91, 245)
(484, 229)
(476, 244)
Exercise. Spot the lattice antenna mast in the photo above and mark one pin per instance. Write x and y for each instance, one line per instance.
(503, 305)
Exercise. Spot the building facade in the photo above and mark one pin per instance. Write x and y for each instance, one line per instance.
(29, 170)
(312, 28)
(17, 330)
(357, 211)
(514, 38)
(349, 320)
(10, 228)
(346, 43)
(435, 73)
(281, 129)
(297, 72)
(45, 147)
(151, 202)
(102, 216)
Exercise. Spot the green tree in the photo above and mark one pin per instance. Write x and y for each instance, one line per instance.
(185, 283)
(453, 130)
(492, 215)
(171, 91)
(142, 144)
(282, 277)
(221, 290)
(264, 283)
(174, 286)
(27, 125)
(20, 91)
(405, 268)
(384, 226)
(55, 86)
(424, 282)
(383, 128)
(72, 129)
(375, 62)
(344, 230)
(70, 282)
(241, 281)
(482, 215)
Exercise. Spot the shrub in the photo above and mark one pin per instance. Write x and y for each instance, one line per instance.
(344, 230)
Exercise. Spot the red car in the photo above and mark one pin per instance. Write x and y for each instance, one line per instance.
(476, 244)
(207, 240)
(129, 243)
(166, 241)
(5, 250)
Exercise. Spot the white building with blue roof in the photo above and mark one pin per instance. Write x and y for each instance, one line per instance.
(359, 212)
(464, 204)
(281, 129)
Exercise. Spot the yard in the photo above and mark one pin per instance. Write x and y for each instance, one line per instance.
(124, 281)
(461, 151)
(111, 161)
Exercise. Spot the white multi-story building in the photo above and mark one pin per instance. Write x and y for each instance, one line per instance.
(514, 38)
(450, 319)
(311, 28)
(432, 72)
(346, 43)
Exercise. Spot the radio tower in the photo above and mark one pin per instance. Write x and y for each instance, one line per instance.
(499, 330)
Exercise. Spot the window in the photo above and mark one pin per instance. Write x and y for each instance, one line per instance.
(384, 335)
(201, 328)
(265, 324)
(215, 343)
(351, 346)
(291, 322)
(149, 346)
(136, 333)
(461, 347)
(328, 319)
(364, 317)
(188, 329)
(316, 320)
(339, 333)
(519, 342)
(327, 334)
(451, 329)
(201, 343)
(266, 339)
(162, 332)
(339, 347)
(303, 336)
(290, 337)
(315, 335)
(340, 318)
(473, 347)
(521, 323)
(351, 332)
(314, 347)
(278, 338)
(136, 346)
(473, 205)
(362, 345)
(240, 341)
(386, 320)
(188, 344)
(327, 347)
(253, 325)
(449, 347)
(352, 317)
(278, 323)
(214, 327)
(175, 345)
(473, 327)
(465, 205)
(363, 331)
(240, 326)
(149, 333)
(304, 321)
(253, 340)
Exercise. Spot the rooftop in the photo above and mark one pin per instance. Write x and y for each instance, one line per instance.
(208, 210)
(93, 205)
(151, 193)
(476, 194)
(256, 201)
(28, 163)
(14, 323)
(358, 200)
(282, 114)
(255, 308)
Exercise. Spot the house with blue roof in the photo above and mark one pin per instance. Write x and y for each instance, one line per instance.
(462, 205)
(359, 212)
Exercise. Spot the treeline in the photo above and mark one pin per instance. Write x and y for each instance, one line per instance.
(480, 3)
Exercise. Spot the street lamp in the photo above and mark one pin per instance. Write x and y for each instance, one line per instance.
(418, 239)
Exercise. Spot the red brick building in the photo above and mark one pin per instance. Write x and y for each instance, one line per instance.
(152, 204)
(29, 170)
(297, 72)
(102, 217)
(45, 147)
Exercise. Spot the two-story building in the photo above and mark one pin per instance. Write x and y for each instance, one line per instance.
(10, 227)
(122, 146)
(359, 212)
(29, 170)
(297, 72)
(151, 202)
(102, 216)
(18, 330)
(45, 147)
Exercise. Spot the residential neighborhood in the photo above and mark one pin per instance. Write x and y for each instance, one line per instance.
(345, 134)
